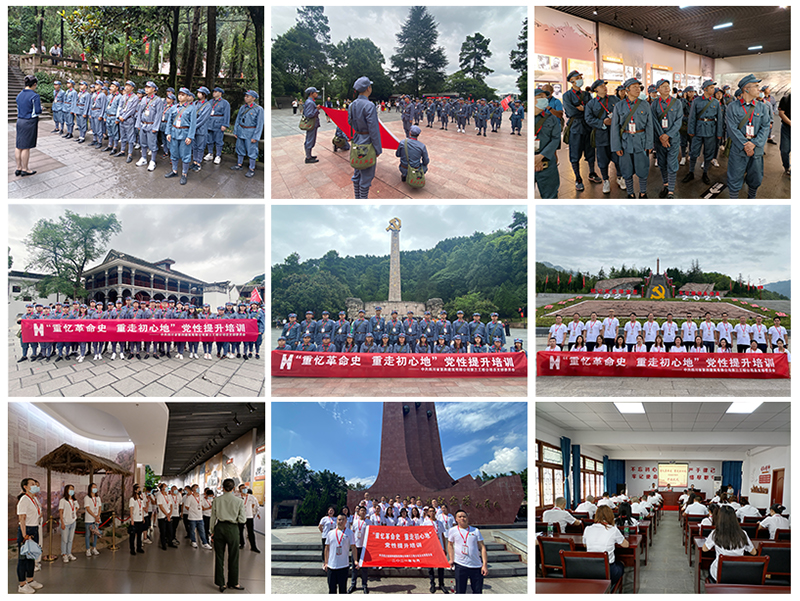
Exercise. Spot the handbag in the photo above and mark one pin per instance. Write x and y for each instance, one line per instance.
(31, 550)
(416, 176)
(362, 156)
(307, 123)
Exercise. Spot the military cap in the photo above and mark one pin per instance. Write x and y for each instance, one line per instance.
(40, 306)
(171, 95)
(378, 309)
(410, 313)
(220, 90)
(476, 313)
(130, 83)
(361, 84)
(518, 340)
(427, 312)
(290, 314)
(114, 83)
(223, 308)
(726, 87)
(478, 336)
(206, 305)
(369, 335)
(660, 82)
(459, 311)
(573, 74)
(309, 91)
(68, 81)
(186, 91)
(56, 83)
(253, 93)
(204, 90)
(309, 312)
(324, 312)
(540, 92)
(171, 89)
(105, 88)
(737, 93)
(763, 88)
(497, 339)
(457, 337)
(281, 337)
(401, 334)
(98, 81)
(414, 131)
(651, 88)
(688, 89)
(442, 312)
(328, 336)
(440, 336)
(75, 303)
(707, 83)
(83, 83)
(57, 305)
(306, 335)
(349, 335)
(361, 310)
(171, 302)
(597, 84)
(493, 314)
(342, 313)
(140, 91)
(119, 302)
(136, 300)
(385, 335)
(629, 82)
(620, 87)
(423, 335)
(151, 84)
(394, 311)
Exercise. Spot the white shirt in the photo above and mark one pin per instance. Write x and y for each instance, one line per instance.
(206, 504)
(695, 349)
(658, 349)
(437, 526)
(30, 508)
(759, 332)
(632, 330)
(735, 505)
(401, 521)
(707, 329)
(706, 522)
(195, 507)
(651, 330)
(683, 498)
(725, 330)
(785, 352)
(375, 519)
(601, 349)
(610, 328)
(727, 349)
(677, 349)
(559, 516)
(742, 333)
(669, 329)
(472, 557)
(587, 507)
(339, 543)
(250, 506)
(577, 349)
(688, 330)
(750, 350)
(558, 332)
(176, 504)
(359, 529)
(639, 349)
(618, 349)
(639, 509)
(696, 509)
(70, 510)
(715, 564)
(599, 539)
(606, 502)
(575, 330)
(747, 510)
(95, 504)
(445, 523)
(774, 522)
(779, 332)
(138, 507)
(389, 521)
(591, 329)
(165, 501)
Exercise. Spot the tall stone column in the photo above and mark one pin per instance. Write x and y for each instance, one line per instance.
(394, 261)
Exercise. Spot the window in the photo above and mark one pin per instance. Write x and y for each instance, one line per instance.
(591, 477)
(16, 288)
(549, 479)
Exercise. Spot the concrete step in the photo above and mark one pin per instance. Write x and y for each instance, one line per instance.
(317, 547)
(496, 570)
(311, 556)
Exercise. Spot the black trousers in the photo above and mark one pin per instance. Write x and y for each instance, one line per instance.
(475, 579)
(186, 524)
(741, 348)
(176, 521)
(138, 528)
(364, 571)
(164, 532)
(440, 574)
(337, 581)
(206, 522)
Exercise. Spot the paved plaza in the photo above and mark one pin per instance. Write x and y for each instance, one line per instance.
(133, 378)
(462, 165)
(67, 170)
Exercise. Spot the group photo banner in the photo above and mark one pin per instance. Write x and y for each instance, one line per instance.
(410, 547)
(138, 330)
(397, 365)
(663, 365)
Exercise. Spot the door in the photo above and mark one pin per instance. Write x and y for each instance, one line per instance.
(777, 487)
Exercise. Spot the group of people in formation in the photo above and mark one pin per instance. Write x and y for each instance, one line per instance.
(164, 506)
(459, 111)
(188, 127)
(671, 124)
(343, 537)
(380, 335)
(649, 336)
(135, 309)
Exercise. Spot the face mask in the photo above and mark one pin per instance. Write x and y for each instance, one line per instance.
(642, 96)
(761, 95)
(542, 103)
(94, 490)
(72, 493)
(34, 489)
(579, 83)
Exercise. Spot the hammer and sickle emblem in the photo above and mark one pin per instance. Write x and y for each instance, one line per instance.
(394, 224)
(658, 293)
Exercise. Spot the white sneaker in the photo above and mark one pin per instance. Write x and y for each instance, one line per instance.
(180, 356)
(208, 157)
(683, 160)
(148, 542)
(207, 546)
(38, 568)
(140, 162)
(80, 359)
(113, 356)
(121, 355)
(703, 165)
(95, 551)
(151, 166)
(88, 552)
(715, 162)
(26, 589)
(136, 146)
(72, 557)
(217, 160)
(35, 585)
(656, 162)
(621, 183)
(606, 186)
(194, 545)
(65, 558)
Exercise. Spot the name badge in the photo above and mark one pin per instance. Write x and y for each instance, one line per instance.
(750, 131)
(631, 127)
(464, 550)
(665, 123)
(212, 114)
(536, 145)
(147, 113)
(409, 330)
(338, 550)
(178, 122)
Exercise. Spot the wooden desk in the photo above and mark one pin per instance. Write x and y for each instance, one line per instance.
(571, 586)
(704, 560)
(747, 589)
(632, 552)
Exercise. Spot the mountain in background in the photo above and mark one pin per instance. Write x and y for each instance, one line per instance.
(783, 287)
(557, 267)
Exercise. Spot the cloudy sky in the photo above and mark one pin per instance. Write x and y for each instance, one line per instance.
(490, 437)
(210, 242)
(501, 24)
(751, 240)
(361, 230)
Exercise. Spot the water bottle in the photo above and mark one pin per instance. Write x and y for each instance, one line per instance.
(549, 529)
(627, 531)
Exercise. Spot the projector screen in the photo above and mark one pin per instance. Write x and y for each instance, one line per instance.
(675, 475)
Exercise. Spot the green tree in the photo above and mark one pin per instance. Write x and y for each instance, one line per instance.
(473, 56)
(418, 64)
(468, 87)
(150, 477)
(313, 19)
(518, 220)
(289, 481)
(62, 249)
(300, 59)
(519, 61)
(325, 489)
(353, 58)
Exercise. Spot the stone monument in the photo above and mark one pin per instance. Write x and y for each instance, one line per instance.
(411, 464)
(659, 287)
(395, 301)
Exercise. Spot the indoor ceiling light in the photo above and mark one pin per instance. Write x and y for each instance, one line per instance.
(594, 12)
(723, 25)
(744, 406)
(629, 407)
(755, 47)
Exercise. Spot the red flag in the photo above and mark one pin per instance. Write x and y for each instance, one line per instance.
(731, 285)
(570, 280)
(506, 102)
(546, 278)
(255, 297)
(558, 282)
(584, 282)
(339, 117)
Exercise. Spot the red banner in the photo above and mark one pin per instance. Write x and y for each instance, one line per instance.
(409, 547)
(340, 116)
(663, 365)
(138, 330)
(397, 365)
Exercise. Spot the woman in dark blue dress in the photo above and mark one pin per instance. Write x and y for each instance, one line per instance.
(29, 107)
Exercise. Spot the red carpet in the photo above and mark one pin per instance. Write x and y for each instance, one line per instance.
(670, 508)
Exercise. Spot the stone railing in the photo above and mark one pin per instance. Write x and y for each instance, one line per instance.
(31, 63)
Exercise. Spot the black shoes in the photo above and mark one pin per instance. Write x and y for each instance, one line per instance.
(308, 160)
(183, 179)
(664, 192)
(594, 178)
(706, 179)
(688, 177)
(351, 589)
(239, 167)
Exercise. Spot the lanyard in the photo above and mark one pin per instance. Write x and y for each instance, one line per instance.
(662, 106)
(750, 120)
(338, 540)
(35, 502)
(149, 102)
(358, 527)
(536, 133)
(71, 506)
(578, 96)
(185, 106)
(244, 113)
(464, 538)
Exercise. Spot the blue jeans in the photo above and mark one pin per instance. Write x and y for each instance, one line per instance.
(258, 342)
(26, 566)
(67, 534)
(193, 345)
(197, 524)
(91, 539)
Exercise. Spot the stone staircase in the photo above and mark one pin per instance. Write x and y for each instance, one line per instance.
(304, 559)
(16, 83)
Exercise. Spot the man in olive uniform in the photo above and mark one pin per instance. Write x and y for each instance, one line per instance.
(575, 100)
(547, 139)
(311, 111)
(377, 324)
(748, 127)
(363, 118)
(704, 129)
(227, 512)
(632, 137)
